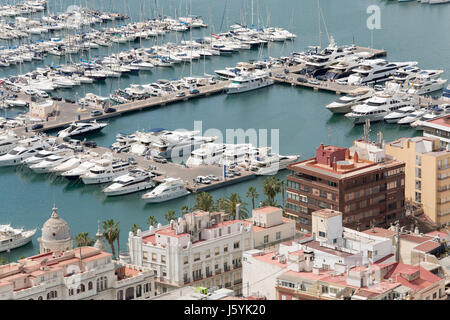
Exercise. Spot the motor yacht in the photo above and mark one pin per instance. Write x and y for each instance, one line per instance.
(25, 149)
(395, 116)
(135, 180)
(171, 188)
(11, 238)
(371, 71)
(207, 154)
(50, 162)
(81, 128)
(77, 172)
(38, 157)
(412, 117)
(377, 107)
(248, 81)
(345, 103)
(271, 164)
(8, 140)
(105, 170)
(426, 85)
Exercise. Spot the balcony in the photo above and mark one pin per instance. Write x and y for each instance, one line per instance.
(218, 271)
(187, 280)
(239, 281)
(209, 274)
(226, 268)
(228, 284)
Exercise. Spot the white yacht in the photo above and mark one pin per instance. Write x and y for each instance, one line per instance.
(377, 107)
(235, 154)
(134, 181)
(395, 116)
(171, 188)
(345, 103)
(11, 238)
(248, 82)
(20, 153)
(271, 164)
(38, 157)
(426, 85)
(80, 128)
(371, 71)
(412, 117)
(82, 168)
(8, 140)
(67, 165)
(207, 154)
(105, 170)
(46, 165)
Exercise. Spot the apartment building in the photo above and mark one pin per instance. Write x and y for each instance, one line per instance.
(427, 174)
(438, 128)
(84, 273)
(199, 249)
(361, 182)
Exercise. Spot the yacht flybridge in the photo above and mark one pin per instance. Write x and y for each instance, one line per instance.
(105, 170)
(81, 128)
(135, 180)
(11, 238)
(345, 103)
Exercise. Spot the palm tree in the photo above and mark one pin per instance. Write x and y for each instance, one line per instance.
(110, 232)
(83, 240)
(271, 187)
(231, 203)
(204, 201)
(135, 228)
(2, 260)
(220, 205)
(283, 191)
(184, 209)
(151, 221)
(252, 194)
(170, 215)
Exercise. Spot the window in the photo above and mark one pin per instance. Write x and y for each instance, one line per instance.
(138, 291)
(208, 253)
(163, 259)
(236, 245)
(145, 255)
(324, 289)
(418, 173)
(185, 260)
(322, 234)
(278, 235)
(225, 248)
(154, 257)
(196, 256)
(266, 239)
(418, 197)
(229, 230)
(418, 160)
(120, 295)
(418, 185)
(216, 251)
(90, 285)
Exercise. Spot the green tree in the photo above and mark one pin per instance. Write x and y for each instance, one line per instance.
(220, 205)
(83, 240)
(151, 221)
(184, 209)
(111, 234)
(271, 187)
(204, 201)
(170, 215)
(135, 228)
(2, 260)
(252, 194)
(231, 203)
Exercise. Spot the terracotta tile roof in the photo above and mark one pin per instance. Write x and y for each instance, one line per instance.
(414, 238)
(267, 258)
(427, 246)
(437, 233)
(380, 232)
(316, 245)
(267, 209)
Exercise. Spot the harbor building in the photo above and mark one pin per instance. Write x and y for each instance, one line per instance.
(84, 273)
(55, 234)
(270, 227)
(327, 246)
(361, 182)
(199, 249)
(427, 175)
(438, 128)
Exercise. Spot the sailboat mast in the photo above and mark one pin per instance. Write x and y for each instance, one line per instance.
(320, 31)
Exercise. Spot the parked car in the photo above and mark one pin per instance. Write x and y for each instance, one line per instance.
(42, 94)
(229, 174)
(159, 159)
(341, 81)
(90, 144)
(110, 110)
(194, 91)
(56, 98)
(212, 81)
(69, 100)
(14, 89)
(132, 161)
(181, 94)
(37, 126)
(83, 103)
(212, 177)
(302, 80)
(312, 81)
(202, 179)
(236, 171)
(280, 76)
(96, 113)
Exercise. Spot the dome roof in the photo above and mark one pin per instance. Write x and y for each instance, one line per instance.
(55, 228)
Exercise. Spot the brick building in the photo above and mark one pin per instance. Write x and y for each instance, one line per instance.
(366, 191)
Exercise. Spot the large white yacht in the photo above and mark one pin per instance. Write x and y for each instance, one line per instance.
(379, 106)
(326, 57)
(235, 154)
(8, 140)
(50, 162)
(248, 82)
(134, 181)
(412, 117)
(25, 149)
(11, 238)
(80, 128)
(271, 164)
(345, 103)
(426, 85)
(395, 116)
(171, 188)
(371, 71)
(105, 170)
(82, 168)
(207, 154)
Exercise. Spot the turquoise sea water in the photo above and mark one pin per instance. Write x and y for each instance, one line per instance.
(410, 31)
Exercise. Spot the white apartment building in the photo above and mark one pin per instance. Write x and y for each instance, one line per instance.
(200, 249)
(84, 273)
(328, 245)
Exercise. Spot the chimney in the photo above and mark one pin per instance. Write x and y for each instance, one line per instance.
(321, 146)
(334, 164)
(238, 206)
(347, 153)
(355, 157)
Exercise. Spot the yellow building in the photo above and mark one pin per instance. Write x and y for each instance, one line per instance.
(427, 174)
